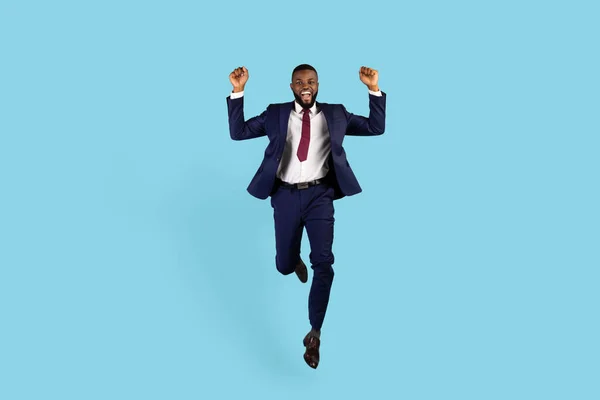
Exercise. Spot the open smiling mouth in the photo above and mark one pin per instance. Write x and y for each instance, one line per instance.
(306, 95)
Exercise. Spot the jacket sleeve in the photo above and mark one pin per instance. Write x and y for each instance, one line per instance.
(240, 129)
(374, 125)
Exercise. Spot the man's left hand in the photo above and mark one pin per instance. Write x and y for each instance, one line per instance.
(369, 77)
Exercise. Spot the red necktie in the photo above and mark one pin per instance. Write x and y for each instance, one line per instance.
(305, 139)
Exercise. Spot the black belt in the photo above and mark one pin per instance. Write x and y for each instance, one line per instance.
(301, 185)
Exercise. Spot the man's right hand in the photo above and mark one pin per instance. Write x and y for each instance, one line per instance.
(238, 79)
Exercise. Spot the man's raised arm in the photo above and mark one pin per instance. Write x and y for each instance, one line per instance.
(375, 124)
(239, 129)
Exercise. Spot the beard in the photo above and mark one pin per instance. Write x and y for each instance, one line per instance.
(302, 103)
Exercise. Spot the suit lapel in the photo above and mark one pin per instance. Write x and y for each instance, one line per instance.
(328, 113)
(284, 117)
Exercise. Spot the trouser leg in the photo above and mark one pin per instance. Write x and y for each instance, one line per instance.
(288, 229)
(318, 217)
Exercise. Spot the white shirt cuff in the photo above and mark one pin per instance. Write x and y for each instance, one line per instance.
(378, 93)
(237, 95)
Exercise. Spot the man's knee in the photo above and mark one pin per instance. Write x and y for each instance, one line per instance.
(285, 265)
(324, 271)
(324, 257)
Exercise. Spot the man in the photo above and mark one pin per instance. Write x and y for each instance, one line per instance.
(304, 169)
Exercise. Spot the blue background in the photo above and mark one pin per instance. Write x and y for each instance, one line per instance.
(134, 264)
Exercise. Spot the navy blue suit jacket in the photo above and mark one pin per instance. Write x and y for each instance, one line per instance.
(273, 123)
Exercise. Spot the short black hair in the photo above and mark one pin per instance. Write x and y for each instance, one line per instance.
(303, 67)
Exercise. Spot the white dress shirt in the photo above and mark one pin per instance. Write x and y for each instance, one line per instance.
(291, 169)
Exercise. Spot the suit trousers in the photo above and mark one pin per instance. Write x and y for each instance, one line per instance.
(311, 208)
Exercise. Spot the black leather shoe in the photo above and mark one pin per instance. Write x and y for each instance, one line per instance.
(311, 354)
(301, 271)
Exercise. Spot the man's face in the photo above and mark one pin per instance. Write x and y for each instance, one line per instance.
(305, 85)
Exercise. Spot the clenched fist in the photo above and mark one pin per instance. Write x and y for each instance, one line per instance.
(369, 77)
(238, 79)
